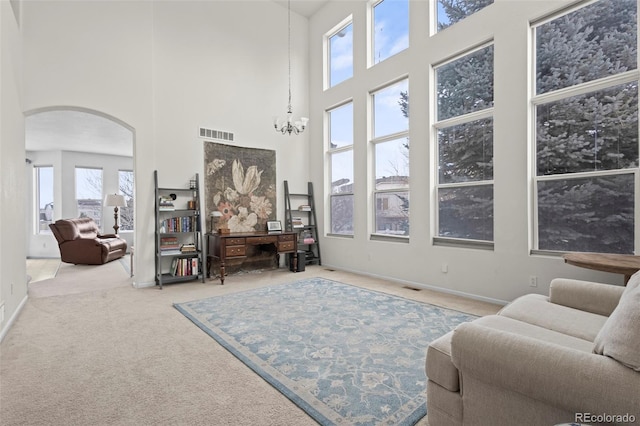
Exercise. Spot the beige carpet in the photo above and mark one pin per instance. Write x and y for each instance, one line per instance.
(42, 269)
(88, 349)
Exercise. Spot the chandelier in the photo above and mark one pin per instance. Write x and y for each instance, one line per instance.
(288, 125)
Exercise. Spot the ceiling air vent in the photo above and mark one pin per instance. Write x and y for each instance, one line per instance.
(215, 134)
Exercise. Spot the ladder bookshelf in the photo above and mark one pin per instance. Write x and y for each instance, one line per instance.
(302, 218)
(178, 245)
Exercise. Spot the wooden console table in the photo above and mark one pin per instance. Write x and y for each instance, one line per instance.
(616, 263)
(234, 246)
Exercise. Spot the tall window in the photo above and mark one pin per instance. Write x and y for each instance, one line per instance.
(341, 160)
(586, 116)
(465, 146)
(340, 67)
(391, 152)
(125, 183)
(451, 11)
(44, 198)
(390, 28)
(89, 193)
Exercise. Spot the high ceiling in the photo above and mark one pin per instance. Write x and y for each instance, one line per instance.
(304, 7)
(71, 130)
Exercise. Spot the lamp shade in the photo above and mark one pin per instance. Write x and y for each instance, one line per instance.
(114, 200)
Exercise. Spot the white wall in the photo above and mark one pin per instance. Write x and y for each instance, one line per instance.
(13, 276)
(64, 164)
(166, 68)
(501, 274)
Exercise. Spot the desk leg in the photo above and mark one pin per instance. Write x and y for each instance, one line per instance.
(277, 260)
(222, 271)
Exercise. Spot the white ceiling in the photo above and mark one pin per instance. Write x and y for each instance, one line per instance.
(305, 8)
(71, 130)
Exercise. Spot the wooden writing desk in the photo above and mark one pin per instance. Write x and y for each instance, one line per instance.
(616, 263)
(234, 246)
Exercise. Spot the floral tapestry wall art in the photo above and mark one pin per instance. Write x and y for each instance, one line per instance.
(240, 186)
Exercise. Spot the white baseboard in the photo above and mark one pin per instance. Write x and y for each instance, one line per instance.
(421, 285)
(9, 323)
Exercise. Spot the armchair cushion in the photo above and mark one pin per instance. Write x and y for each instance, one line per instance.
(619, 338)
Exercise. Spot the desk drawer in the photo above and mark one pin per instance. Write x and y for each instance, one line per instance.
(285, 246)
(288, 237)
(235, 251)
(235, 241)
(267, 239)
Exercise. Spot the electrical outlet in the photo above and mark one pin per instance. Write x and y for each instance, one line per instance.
(533, 281)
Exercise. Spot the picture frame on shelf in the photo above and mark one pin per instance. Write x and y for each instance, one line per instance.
(274, 226)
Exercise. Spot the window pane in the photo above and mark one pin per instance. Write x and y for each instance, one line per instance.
(44, 191)
(342, 214)
(392, 213)
(391, 109)
(341, 55)
(126, 188)
(594, 131)
(466, 84)
(391, 28)
(465, 152)
(466, 212)
(341, 126)
(89, 193)
(452, 11)
(593, 42)
(392, 164)
(342, 172)
(589, 214)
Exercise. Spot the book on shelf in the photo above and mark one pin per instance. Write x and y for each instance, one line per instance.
(165, 203)
(304, 208)
(184, 267)
(169, 243)
(188, 248)
(297, 222)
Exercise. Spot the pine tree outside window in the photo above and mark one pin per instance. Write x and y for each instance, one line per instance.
(586, 124)
(125, 184)
(464, 128)
(44, 198)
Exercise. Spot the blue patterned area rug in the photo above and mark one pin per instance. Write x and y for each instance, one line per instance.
(344, 354)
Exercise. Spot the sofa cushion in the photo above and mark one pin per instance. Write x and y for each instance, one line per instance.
(440, 368)
(587, 296)
(537, 310)
(619, 338)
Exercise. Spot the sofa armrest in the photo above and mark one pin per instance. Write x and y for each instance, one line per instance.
(561, 377)
(587, 296)
(104, 236)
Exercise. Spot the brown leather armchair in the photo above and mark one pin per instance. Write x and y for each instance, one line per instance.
(80, 242)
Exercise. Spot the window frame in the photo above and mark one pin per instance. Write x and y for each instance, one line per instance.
(327, 51)
(375, 140)
(466, 118)
(132, 208)
(564, 93)
(100, 200)
(36, 203)
(330, 152)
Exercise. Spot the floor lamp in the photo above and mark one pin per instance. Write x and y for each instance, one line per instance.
(115, 200)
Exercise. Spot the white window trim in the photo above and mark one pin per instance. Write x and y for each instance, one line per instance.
(326, 50)
(446, 123)
(373, 141)
(603, 83)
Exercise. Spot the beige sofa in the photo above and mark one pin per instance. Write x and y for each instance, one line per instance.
(573, 356)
